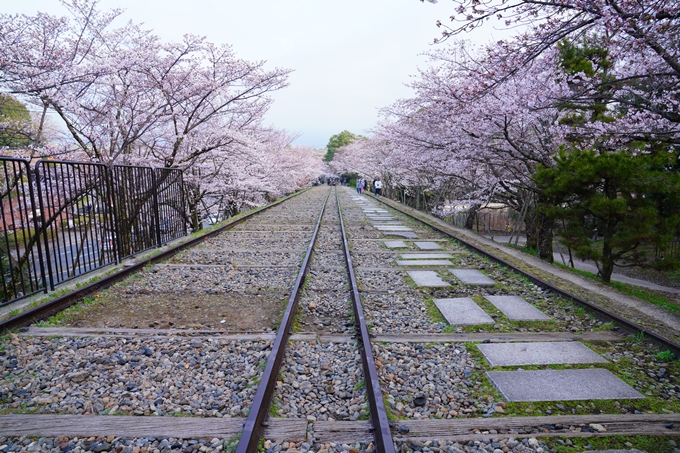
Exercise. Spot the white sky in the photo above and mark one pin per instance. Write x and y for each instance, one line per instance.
(351, 57)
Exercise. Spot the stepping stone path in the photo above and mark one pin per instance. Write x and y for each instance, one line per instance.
(472, 277)
(541, 385)
(517, 309)
(427, 245)
(392, 228)
(561, 385)
(538, 353)
(424, 256)
(424, 263)
(427, 278)
(403, 234)
(462, 311)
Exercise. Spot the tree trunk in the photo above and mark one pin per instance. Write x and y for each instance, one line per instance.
(471, 216)
(545, 238)
(607, 261)
(539, 228)
(531, 228)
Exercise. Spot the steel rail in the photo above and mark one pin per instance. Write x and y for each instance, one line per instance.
(255, 423)
(60, 303)
(600, 312)
(381, 424)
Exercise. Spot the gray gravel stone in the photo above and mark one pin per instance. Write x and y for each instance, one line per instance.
(205, 377)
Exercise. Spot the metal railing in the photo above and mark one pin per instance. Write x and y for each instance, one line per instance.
(63, 219)
(20, 250)
(171, 205)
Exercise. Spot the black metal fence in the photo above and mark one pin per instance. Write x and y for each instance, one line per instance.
(63, 219)
(20, 250)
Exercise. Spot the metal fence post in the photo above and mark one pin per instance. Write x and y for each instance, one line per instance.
(43, 223)
(157, 217)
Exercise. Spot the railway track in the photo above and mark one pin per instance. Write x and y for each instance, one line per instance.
(382, 349)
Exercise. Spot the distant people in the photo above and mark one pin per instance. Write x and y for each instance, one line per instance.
(359, 186)
(377, 187)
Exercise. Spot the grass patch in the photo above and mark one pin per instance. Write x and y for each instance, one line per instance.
(409, 282)
(433, 312)
(665, 356)
(522, 248)
(478, 384)
(631, 290)
(644, 443)
(606, 327)
(274, 408)
(637, 338)
(64, 316)
(231, 443)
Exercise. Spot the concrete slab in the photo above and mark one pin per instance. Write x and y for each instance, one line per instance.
(387, 222)
(462, 310)
(561, 385)
(395, 244)
(392, 228)
(424, 256)
(517, 309)
(402, 234)
(442, 263)
(380, 217)
(427, 278)
(538, 353)
(427, 245)
(472, 277)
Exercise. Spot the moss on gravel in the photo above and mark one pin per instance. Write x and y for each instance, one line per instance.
(645, 443)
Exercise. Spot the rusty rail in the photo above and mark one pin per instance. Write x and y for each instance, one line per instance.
(255, 423)
(379, 420)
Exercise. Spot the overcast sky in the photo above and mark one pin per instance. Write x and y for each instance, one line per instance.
(351, 57)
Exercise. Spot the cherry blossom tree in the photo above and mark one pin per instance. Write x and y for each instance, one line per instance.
(43, 55)
(127, 97)
(640, 36)
(472, 140)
